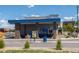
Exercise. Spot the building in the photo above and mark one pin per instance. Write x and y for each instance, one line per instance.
(4, 30)
(69, 22)
(39, 26)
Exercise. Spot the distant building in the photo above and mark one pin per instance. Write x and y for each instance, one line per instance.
(69, 22)
(41, 26)
(3, 30)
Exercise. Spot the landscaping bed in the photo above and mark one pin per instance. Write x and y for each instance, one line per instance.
(38, 51)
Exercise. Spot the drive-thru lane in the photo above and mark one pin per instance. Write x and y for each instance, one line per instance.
(39, 43)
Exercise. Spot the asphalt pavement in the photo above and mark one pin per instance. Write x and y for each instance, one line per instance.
(39, 43)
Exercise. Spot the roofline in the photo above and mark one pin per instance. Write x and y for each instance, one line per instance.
(34, 20)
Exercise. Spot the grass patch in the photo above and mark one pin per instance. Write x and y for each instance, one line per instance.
(34, 51)
(25, 51)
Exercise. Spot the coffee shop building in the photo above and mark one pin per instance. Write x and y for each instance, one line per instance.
(39, 26)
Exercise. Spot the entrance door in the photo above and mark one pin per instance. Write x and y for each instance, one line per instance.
(29, 33)
(22, 33)
(43, 32)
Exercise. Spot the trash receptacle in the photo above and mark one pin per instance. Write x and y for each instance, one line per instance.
(45, 39)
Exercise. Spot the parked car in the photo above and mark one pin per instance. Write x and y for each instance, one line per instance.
(9, 35)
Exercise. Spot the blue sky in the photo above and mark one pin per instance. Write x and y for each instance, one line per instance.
(13, 11)
(10, 12)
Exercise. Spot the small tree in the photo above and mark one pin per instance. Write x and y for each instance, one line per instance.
(2, 40)
(58, 45)
(1, 44)
(27, 44)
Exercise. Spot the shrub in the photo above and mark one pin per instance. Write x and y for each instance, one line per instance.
(68, 27)
(27, 44)
(58, 45)
(1, 44)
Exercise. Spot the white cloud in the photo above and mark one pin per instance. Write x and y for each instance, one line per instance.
(31, 6)
(4, 24)
(69, 18)
(35, 15)
(16, 18)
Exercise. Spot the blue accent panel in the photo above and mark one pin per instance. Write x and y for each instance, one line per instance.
(34, 20)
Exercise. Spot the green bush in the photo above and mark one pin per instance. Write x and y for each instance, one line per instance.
(68, 27)
(1, 44)
(58, 45)
(27, 44)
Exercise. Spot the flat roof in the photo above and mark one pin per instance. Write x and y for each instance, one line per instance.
(42, 20)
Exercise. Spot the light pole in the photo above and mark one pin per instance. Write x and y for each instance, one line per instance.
(77, 20)
(77, 17)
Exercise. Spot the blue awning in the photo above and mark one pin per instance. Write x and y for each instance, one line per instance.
(35, 20)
